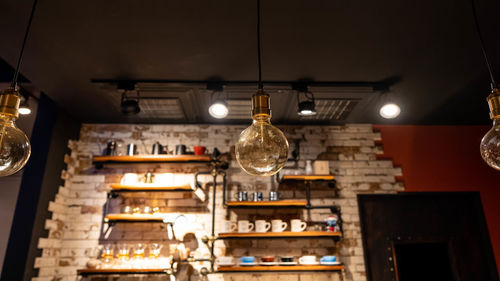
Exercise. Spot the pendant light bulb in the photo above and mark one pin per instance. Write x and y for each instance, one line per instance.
(490, 144)
(15, 147)
(262, 149)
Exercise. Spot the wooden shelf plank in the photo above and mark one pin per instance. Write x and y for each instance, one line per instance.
(149, 187)
(151, 158)
(134, 217)
(309, 177)
(281, 268)
(92, 271)
(280, 203)
(285, 234)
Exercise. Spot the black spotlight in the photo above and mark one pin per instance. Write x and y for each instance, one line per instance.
(130, 106)
(306, 108)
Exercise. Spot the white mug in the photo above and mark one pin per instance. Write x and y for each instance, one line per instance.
(129, 178)
(228, 226)
(262, 226)
(307, 260)
(297, 225)
(165, 179)
(278, 225)
(245, 226)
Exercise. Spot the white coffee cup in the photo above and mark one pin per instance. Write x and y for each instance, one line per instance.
(225, 260)
(245, 226)
(307, 260)
(129, 178)
(262, 226)
(165, 179)
(278, 225)
(228, 226)
(297, 225)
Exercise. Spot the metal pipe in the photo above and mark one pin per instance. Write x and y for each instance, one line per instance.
(212, 246)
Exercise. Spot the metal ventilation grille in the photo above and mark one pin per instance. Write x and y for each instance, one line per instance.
(164, 108)
(332, 109)
(239, 109)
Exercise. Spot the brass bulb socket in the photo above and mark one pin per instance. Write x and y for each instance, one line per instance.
(494, 103)
(261, 104)
(9, 102)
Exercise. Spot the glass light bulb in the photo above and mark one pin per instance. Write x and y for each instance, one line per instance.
(490, 146)
(15, 147)
(262, 149)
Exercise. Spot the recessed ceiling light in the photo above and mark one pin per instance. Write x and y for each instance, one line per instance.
(390, 110)
(218, 109)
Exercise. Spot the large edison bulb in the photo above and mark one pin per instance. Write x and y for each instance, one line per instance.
(262, 149)
(490, 146)
(14, 147)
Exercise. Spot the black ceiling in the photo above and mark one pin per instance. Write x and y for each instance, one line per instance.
(430, 45)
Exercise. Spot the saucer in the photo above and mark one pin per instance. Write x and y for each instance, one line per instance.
(310, 263)
(247, 263)
(288, 263)
(226, 264)
(330, 262)
(268, 263)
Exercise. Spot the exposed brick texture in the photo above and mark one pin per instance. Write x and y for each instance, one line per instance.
(75, 225)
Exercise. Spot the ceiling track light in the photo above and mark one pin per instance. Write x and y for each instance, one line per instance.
(15, 148)
(130, 106)
(389, 109)
(218, 107)
(490, 143)
(262, 149)
(24, 107)
(306, 107)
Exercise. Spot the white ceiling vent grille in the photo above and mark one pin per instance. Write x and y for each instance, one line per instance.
(332, 109)
(240, 109)
(164, 108)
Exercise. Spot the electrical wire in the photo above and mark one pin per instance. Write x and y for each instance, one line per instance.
(481, 41)
(259, 45)
(16, 73)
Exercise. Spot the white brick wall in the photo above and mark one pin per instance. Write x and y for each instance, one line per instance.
(75, 224)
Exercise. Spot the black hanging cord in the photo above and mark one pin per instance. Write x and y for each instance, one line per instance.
(16, 74)
(259, 45)
(481, 41)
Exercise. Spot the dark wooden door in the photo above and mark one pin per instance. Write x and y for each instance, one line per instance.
(426, 236)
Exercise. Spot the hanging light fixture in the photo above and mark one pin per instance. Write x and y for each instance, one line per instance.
(15, 148)
(490, 144)
(262, 149)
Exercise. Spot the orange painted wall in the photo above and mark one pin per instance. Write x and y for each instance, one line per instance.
(446, 158)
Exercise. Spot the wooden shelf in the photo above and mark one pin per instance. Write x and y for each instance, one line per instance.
(285, 234)
(152, 159)
(264, 204)
(308, 177)
(149, 187)
(133, 218)
(280, 268)
(89, 271)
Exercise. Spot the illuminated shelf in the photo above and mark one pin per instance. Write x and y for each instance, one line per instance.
(150, 187)
(280, 268)
(133, 218)
(285, 234)
(309, 177)
(151, 159)
(89, 271)
(264, 204)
